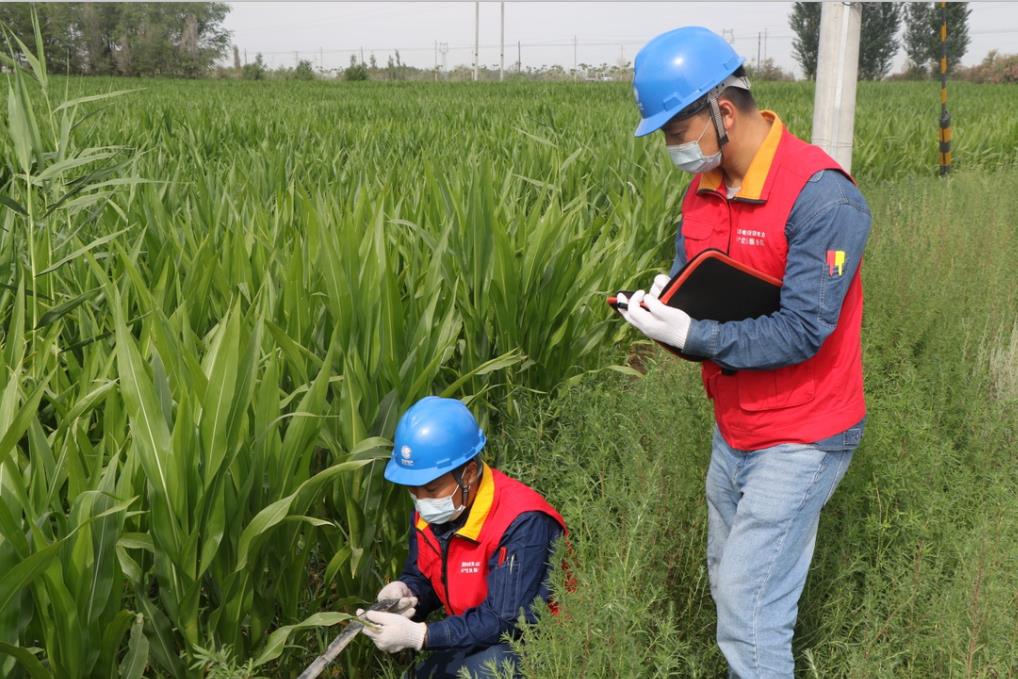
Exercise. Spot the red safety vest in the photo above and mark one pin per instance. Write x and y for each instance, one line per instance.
(801, 403)
(460, 578)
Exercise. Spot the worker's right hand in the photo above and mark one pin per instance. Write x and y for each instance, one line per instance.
(657, 320)
(397, 589)
(660, 281)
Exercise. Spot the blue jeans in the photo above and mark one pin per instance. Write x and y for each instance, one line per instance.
(446, 664)
(763, 508)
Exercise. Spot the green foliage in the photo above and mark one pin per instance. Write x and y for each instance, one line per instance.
(200, 373)
(304, 71)
(922, 35)
(878, 42)
(918, 18)
(181, 39)
(355, 72)
(219, 663)
(804, 21)
(256, 70)
(613, 456)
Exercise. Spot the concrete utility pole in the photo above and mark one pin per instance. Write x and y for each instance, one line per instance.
(436, 61)
(477, 33)
(501, 43)
(758, 34)
(837, 70)
(519, 57)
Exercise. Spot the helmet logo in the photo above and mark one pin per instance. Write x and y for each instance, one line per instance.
(405, 454)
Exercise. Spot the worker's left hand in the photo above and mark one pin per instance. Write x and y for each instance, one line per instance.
(391, 632)
(658, 321)
(397, 589)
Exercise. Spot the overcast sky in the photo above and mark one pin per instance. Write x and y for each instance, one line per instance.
(329, 32)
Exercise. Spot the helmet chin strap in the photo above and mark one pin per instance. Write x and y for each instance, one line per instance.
(719, 125)
(715, 112)
(464, 488)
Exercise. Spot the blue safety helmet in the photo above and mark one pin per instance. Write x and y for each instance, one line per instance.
(434, 436)
(677, 68)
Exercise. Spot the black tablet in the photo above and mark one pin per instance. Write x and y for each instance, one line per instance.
(713, 286)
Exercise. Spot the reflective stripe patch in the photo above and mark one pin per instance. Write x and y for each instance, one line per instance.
(835, 260)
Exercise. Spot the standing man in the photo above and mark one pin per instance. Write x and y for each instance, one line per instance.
(480, 543)
(787, 388)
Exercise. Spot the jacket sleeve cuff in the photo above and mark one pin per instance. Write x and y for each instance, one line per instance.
(702, 338)
(438, 635)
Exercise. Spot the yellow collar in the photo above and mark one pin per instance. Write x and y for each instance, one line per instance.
(478, 511)
(756, 177)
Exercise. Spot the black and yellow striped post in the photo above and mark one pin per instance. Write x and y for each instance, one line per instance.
(945, 117)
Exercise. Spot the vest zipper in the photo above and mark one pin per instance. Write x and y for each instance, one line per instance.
(731, 226)
(443, 554)
(445, 574)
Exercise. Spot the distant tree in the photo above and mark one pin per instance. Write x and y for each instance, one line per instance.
(61, 50)
(878, 41)
(917, 38)
(98, 38)
(922, 35)
(995, 68)
(139, 38)
(355, 71)
(805, 23)
(768, 71)
(255, 70)
(304, 71)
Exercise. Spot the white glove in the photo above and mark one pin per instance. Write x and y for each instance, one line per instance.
(662, 322)
(660, 281)
(392, 632)
(397, 589)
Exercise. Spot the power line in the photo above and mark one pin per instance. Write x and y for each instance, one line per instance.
(453, 48)
(571, 42)
(745, 43)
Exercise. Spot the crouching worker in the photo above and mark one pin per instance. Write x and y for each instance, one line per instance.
(480, 543)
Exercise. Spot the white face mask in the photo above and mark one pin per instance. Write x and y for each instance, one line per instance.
(689, 156)
(437, 510)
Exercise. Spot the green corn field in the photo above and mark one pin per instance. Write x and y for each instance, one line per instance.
(216, 298)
